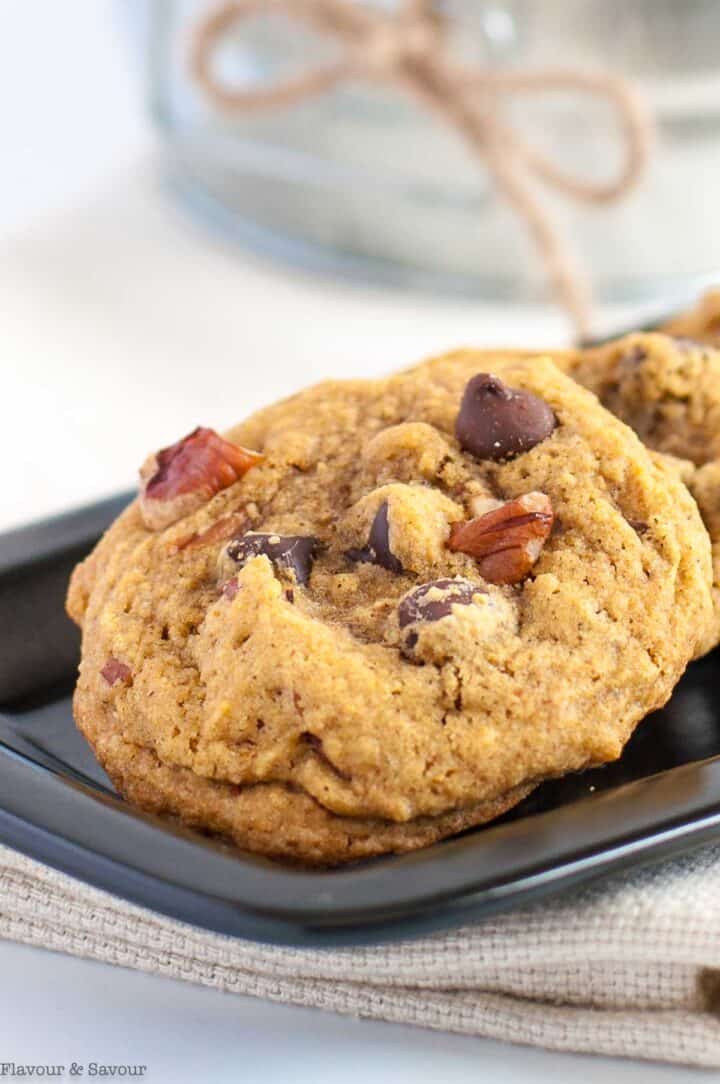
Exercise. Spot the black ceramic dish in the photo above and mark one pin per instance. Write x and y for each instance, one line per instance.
(56, 804)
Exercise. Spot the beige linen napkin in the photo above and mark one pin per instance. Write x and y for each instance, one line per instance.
(629, 967)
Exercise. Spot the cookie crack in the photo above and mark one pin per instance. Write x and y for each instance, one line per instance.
(317, 751)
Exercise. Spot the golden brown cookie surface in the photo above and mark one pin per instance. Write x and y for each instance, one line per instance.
(377, 634)
(667, 388)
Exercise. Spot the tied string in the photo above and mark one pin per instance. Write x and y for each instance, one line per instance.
(406, 49)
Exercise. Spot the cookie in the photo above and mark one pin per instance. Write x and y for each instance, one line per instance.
(382, 611)
(700, 323)
(667, 388)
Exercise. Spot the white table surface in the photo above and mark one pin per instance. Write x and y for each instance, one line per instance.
(122, 326)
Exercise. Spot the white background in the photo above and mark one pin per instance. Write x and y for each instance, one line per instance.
(122, 326)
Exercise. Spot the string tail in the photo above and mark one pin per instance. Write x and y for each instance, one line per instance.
(570, 282)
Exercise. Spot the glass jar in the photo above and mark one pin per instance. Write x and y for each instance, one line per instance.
(363, 180)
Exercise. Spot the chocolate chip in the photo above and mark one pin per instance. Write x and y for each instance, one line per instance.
(497, 422)
(291, 553)
(377, 551)
(435, 600)
(633, 357)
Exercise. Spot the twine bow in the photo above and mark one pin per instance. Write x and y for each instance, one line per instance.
(406, 49)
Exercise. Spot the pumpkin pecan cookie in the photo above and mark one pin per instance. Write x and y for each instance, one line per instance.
(700, 323)
(381, 611)
(667, 388)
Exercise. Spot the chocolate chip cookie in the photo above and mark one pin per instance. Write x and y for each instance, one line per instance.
(667, 388)
(382, 611)
(700, 323)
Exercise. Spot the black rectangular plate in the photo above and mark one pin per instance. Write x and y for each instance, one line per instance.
(661, 798)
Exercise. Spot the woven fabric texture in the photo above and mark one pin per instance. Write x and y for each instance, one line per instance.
(629, 967)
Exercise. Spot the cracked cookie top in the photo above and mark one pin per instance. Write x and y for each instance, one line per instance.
(396, 598)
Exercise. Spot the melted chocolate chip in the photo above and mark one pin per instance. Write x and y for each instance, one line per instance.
(291, 553)
(377, 551)
(497, 422)
(435, 600)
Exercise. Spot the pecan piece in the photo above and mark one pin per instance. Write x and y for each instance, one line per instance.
(179, 479)
(230, 589)
(220, 531)
(115, 672)
(506, 542)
